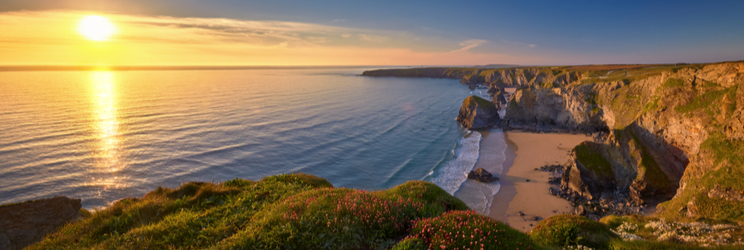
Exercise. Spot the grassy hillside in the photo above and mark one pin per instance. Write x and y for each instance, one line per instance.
(294, 211)
(299, 211)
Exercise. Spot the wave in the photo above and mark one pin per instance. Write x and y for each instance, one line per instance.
(452, 175)
(453, 172)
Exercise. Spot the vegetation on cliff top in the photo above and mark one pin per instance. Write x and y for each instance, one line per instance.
(299, 211)
(467, 230)
(473, 100)
(565, 230)
(294, 211)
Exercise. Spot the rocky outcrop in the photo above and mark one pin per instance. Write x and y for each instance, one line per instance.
(25, 223)
(478, 113)
(482, 175)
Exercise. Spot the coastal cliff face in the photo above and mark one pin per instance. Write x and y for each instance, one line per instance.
(562, 109)
(477, 113)
(25, 223)
(667, 133)
(674, 134)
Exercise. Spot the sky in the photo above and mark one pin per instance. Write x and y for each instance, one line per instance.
(323, 32)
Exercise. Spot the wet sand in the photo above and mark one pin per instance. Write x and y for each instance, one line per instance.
(478, 195)
(525, 189)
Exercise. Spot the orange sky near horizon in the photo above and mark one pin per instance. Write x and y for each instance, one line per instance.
(52, 38)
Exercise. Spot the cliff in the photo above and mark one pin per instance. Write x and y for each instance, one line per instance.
(22, 224)
(289, 211)
(299, 211)
(672, 132)
(665, 133)
(451, 73)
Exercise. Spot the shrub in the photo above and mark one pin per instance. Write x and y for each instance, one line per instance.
(564, 230)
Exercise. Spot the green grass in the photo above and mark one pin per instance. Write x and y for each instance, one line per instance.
(704, 100)
(727, 159)
(278, 212)
(564, 230)
(652, 105)
(472, 100)
(587, 153)
(673, 83)
(725, 149)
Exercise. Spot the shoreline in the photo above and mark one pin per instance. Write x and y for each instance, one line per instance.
(524, 196)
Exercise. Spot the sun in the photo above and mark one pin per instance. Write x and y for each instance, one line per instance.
(96, 28)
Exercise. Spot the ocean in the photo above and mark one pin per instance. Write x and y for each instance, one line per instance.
(105, 135)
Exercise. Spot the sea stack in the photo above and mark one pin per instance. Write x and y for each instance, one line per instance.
(478, 113)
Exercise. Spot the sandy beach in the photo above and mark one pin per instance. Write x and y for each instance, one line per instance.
(523, 189)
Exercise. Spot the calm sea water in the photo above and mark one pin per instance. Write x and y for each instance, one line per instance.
(105, 135)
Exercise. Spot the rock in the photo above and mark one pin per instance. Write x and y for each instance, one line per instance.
(5, 242)
(482, 175)
(682, 210)
(477, 113)
(521, 213)
(580, 210)
(728, 194)
(26, 223)
(692, 209)
(572, 179)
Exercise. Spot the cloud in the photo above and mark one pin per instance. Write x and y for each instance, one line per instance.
(519, 43)
(50, 37)
(469, 44)
(373, 38)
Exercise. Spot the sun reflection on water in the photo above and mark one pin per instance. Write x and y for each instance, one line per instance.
(106, 124)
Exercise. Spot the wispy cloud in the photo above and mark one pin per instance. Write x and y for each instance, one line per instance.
(519, 43)
(469, 44)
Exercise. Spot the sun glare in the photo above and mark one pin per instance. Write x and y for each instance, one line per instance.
(96, 28)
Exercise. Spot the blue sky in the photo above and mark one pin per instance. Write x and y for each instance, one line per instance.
(528, 32)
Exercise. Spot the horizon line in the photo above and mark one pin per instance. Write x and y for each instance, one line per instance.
(238, 67)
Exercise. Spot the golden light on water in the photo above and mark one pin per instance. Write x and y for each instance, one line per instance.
(96, 28)
(106, 124)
